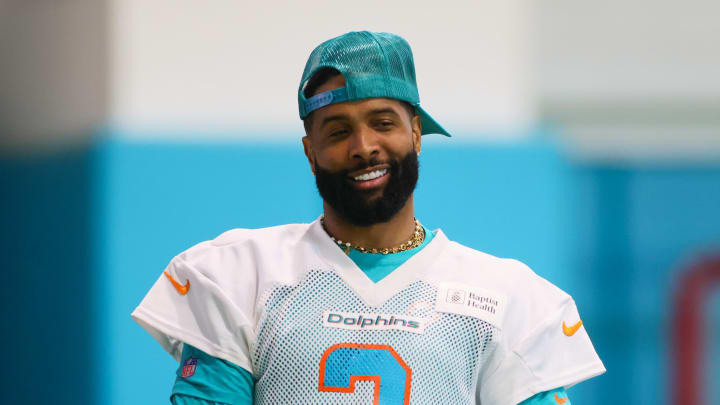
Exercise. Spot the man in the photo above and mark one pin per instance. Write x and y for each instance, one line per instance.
(364, 305)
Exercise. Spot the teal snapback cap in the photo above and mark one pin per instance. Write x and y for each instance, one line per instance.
(374, 64)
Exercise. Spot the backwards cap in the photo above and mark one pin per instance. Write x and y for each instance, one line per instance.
(374, 64)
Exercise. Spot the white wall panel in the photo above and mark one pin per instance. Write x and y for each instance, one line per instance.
(639, 49)
(232, 67)
(632, 80)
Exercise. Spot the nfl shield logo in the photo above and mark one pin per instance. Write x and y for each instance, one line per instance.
(188, 369)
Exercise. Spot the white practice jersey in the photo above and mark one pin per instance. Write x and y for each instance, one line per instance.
(449, 326)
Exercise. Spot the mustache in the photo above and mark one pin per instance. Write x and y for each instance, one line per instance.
(362, 165)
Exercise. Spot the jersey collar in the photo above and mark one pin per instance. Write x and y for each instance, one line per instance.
(374, 294)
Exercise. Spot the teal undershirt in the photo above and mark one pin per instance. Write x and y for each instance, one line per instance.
(214, 381)
(219, 382)
(377, 265)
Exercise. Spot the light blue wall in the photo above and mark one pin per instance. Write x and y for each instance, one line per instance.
(614, 237)
(638, 229)
(158, 201)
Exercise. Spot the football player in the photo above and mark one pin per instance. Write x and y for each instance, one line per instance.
(365, 305)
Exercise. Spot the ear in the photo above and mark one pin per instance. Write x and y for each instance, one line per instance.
(307, 146)
(416, 133)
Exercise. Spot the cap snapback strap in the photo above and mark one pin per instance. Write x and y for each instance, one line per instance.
(324, 98)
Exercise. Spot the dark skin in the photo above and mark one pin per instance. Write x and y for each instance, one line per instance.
(345, 135)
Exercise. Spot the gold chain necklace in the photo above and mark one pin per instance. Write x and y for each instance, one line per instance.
(416, 240)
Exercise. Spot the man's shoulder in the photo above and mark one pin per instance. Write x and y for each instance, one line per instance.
(242, 236)
(528, 298)
(509, 276)
(472, 263)
(242, 246)
(268, 235)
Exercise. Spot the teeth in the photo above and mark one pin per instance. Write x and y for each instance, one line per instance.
(372, 175)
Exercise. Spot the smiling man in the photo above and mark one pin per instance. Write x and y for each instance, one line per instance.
(365, 305)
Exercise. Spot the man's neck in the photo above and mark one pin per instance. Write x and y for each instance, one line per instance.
(399, 229)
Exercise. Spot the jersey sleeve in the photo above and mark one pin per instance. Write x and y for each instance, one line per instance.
(187, 304)
(552, 397)
(545, 347)
(205, 380)
(181, 399)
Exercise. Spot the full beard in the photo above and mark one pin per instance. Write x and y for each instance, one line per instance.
(354, 205)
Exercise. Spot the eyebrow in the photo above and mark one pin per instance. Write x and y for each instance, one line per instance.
(384, 110)
(336, 117)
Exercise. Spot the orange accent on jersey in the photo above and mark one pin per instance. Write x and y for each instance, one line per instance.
(560, 400)
(416, 306)
(182, 289)
(571, 330)
(373, 378)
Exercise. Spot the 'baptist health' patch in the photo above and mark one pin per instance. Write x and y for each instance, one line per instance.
(462, 299)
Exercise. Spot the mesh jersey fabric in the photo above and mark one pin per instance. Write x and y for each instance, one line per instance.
(217, 379)
(220, 377)
(261, 298)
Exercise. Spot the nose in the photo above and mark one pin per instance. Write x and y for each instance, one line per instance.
(364, 144)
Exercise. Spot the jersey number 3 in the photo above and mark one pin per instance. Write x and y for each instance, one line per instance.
(345, 363)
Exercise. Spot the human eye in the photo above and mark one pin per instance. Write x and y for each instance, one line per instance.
(334, 133)
(385, 124)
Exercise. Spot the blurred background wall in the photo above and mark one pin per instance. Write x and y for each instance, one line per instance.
(587, 144)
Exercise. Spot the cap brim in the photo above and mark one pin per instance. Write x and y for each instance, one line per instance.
(429, 125)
